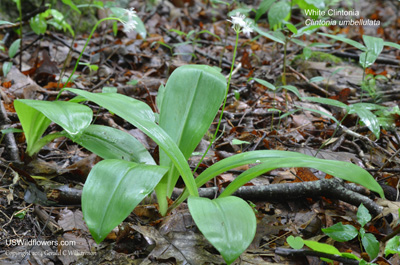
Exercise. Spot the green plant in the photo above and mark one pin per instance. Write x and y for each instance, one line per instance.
(342, 233)
(369, 85)
(279, 13)
(188, 104)
(370, 52)
(107, 201)
(363, 110)
(192, 37)
(12, 51)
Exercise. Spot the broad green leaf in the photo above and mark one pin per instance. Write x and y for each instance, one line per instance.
(363, 215)
(11, 130)
(367, 117)
(367, 59)
(295, 242)
(373, 44)
(368, 106)
(190, 102)
(293, 89)
(291, 27)
(140, 115)
(340, 169)
(393, 246)
(72, 117)
(33, 122)
(57, 15)
(346, 40)
(340, 232)
(391, 44)
(327, 101)
(7, 68)
(110, 143)
(263, 8)
(269, 160)
(228, 223)
(265, 83)
(322, 247)
(112, 190)
(2, 22)
(126, 105)
(235, 161)
(38, 24)
(238, 142)
(278, 13)
(12, 51)
(371, 245)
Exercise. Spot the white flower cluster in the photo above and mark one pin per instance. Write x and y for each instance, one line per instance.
(129, 23)
(240, 25)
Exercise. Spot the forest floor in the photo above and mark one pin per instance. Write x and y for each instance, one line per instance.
(40, 195)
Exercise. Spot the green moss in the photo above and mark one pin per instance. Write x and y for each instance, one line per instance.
(317, 57)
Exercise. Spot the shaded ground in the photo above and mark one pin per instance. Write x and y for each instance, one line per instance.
(41, 195)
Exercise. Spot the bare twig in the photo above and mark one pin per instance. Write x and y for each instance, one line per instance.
(320, 89)
(9, 137)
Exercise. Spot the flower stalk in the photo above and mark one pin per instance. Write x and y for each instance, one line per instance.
(239, 24)
(129, 25)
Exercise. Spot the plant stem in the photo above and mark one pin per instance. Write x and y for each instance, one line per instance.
(83, 50)
(223, 105)
(284, 63)
(20, 34)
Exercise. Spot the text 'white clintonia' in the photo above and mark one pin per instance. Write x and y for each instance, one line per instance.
(129, 23)
(239, 24)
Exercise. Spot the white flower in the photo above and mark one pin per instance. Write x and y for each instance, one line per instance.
(247, 30)
(131, 12)
(129, 23)
(238, 20)
(239, 24)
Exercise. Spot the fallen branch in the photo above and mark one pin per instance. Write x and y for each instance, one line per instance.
(330, 188)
